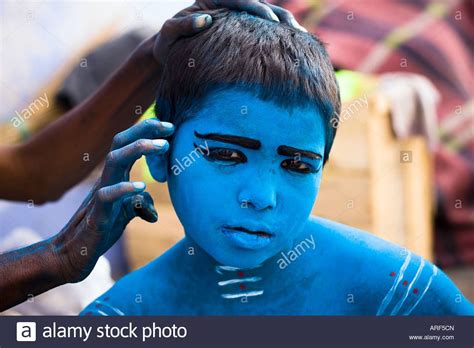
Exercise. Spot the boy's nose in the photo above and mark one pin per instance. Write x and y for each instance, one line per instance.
(258, 194)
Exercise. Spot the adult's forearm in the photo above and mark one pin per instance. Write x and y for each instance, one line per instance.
(65, 152)
(27, 272)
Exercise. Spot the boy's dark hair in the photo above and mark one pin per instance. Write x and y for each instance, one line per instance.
(276, 62)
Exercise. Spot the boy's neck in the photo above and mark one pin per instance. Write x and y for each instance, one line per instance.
(232, 283)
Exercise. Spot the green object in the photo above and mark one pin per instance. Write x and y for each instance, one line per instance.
(144, 170)
(350, 83)
(149, 113)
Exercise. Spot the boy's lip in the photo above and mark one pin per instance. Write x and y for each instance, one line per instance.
(254, 238)
(261, 231)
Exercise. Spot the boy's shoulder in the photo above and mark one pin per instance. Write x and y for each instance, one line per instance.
(386, 278)
(337, 237)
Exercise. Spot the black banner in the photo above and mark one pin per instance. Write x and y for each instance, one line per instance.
(290, 332)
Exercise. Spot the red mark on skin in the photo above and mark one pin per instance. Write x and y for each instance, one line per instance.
(415, 291)
(405, 283)
(240, 274)
(392, 274)
(242, 286)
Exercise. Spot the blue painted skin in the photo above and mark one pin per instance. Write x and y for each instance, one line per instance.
(298, 264)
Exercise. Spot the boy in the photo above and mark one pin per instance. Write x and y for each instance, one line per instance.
(252, 103)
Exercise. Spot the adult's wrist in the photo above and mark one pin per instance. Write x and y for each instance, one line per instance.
(58, 262)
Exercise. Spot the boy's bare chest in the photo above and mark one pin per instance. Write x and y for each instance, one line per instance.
(319, 295)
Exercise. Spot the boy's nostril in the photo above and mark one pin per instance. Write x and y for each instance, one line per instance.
(258, 202)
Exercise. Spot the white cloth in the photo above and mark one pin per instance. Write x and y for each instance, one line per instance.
(413, 101)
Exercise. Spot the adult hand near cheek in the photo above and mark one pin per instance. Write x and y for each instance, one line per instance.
(113, 203)
(191, 20)
(71, 255)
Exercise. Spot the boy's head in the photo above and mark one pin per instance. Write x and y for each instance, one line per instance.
(252, 102)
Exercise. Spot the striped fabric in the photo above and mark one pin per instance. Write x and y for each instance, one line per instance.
(430, 38)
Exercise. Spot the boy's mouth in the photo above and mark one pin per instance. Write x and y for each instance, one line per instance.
(245, 238)
(259, 233)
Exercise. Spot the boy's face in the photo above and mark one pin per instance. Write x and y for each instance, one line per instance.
(245, 196)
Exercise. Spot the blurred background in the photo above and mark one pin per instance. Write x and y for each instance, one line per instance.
(402, 163)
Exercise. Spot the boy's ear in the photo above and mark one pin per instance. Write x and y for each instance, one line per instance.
(158, 166)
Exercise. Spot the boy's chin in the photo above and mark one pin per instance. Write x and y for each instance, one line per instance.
(242, 260)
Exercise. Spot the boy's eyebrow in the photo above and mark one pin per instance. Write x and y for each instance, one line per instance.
(231, 139)
(292, 152)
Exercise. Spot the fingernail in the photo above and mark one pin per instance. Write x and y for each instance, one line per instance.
(274, 17)
(202, 21)
(298, 26)
(167, 125)
(138, 185)
(159, 142)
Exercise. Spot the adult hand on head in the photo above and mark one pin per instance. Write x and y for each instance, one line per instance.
(192, 20)
(113, 202)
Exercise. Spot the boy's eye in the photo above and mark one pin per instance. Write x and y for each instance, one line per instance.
(298, 166)
(220, 154)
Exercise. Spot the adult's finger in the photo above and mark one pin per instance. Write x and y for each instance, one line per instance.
(286, 17)
(140, 205)
(103, 213)
(133, 205)
(253, 7)
(110, 194)
(176, 27)
(148, 129)
(118, 162)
